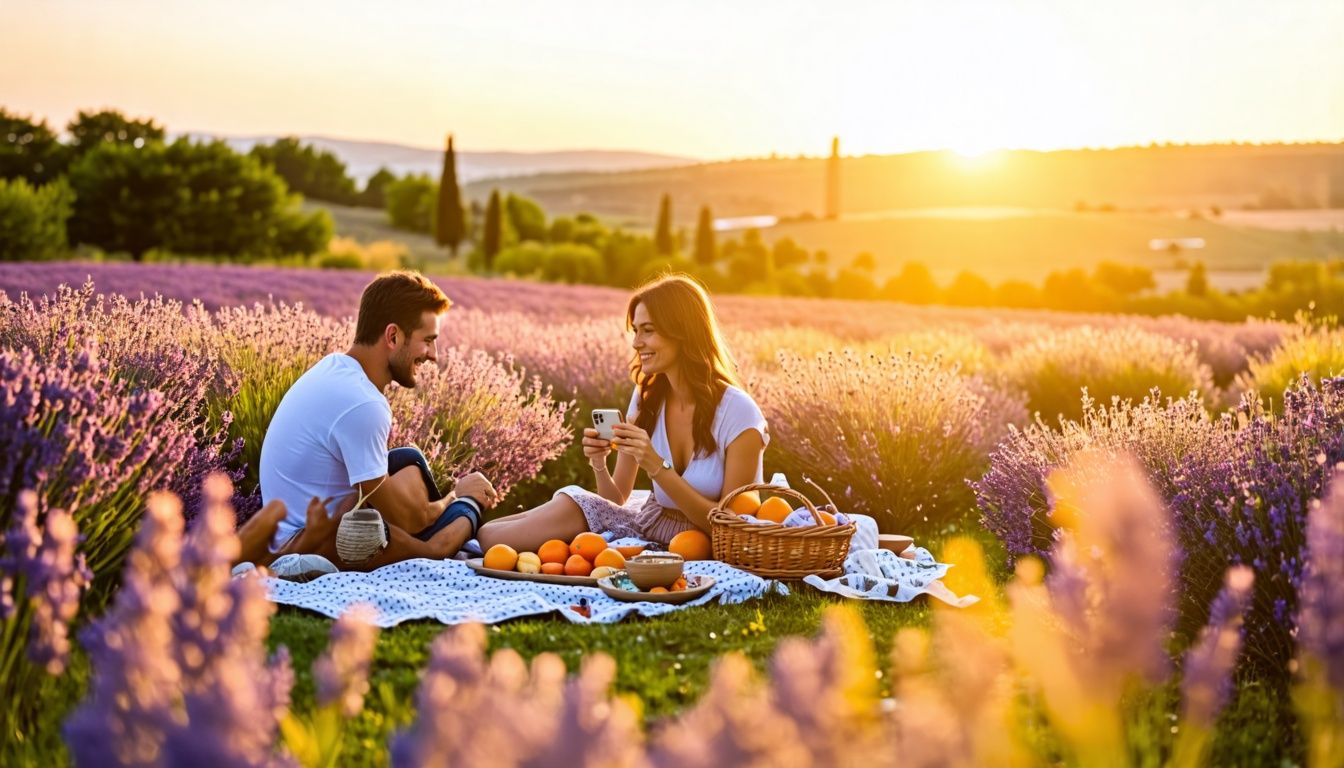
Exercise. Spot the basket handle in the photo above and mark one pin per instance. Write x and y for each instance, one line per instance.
(778, 491)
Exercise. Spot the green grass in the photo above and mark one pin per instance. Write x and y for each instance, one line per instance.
(664, 661)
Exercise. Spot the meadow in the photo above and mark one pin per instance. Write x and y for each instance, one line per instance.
(1137, 500)
(1023, 244)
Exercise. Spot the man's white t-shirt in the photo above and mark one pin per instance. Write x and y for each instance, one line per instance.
(329, 433)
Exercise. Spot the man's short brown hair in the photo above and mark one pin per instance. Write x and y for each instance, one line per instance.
(400, 297)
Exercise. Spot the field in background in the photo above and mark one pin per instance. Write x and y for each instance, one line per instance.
(1026, 245)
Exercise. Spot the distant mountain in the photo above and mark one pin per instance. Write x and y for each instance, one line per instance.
(364, 158)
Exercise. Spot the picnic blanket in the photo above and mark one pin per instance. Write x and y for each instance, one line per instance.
(449, 592)
(879, 574)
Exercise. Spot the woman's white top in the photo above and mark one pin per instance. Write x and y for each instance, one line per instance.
(736, 414)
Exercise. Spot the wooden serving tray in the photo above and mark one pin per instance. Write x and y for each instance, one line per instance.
(477, 564)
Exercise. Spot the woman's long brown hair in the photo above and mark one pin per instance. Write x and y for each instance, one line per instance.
(681, 311)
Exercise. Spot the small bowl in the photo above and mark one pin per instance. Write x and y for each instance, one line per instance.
(894, 542)
(654, 569)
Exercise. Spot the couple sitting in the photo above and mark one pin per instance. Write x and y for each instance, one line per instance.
(690, 427)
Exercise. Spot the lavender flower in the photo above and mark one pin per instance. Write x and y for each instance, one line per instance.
(341, 674)
(180, 673)
(1210, 663)
(1320, 635)
(54, 578)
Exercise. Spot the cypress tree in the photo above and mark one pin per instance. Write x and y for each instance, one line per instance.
(450, 227)
(494, 230)
(705, 249)
(663, 243)
(833, 181)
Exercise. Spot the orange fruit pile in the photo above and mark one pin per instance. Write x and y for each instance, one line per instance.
(587, 555)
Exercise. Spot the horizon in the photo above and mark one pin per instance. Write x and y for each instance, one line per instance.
(698, 81)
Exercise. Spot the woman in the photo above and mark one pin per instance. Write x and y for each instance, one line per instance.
(691, 428)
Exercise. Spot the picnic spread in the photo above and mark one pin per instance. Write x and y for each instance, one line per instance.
(493, 587)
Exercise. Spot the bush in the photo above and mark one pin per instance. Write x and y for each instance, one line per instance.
(411, 202)
(1122, 363)
(378, 256)
(1316, 352)
(1239, 488)
(33, 220)
(572, 263)
(892, 437)
(522, 260)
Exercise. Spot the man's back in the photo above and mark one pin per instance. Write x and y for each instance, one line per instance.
(329, 433)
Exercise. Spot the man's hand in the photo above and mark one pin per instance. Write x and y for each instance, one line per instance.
(477, 487)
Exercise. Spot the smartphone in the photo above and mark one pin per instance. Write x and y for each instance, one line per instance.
(604, 419)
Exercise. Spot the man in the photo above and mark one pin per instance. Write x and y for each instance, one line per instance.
(327, 446)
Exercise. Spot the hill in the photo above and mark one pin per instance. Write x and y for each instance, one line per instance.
(364, 158)
(1156, 177)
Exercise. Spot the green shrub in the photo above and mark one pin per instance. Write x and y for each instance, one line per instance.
(571, 263)
(1317, 352)
(410, 203)
(33, 219)
(1124, 363)
(522, 260)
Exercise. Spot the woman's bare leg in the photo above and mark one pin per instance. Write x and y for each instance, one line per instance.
(559, 518)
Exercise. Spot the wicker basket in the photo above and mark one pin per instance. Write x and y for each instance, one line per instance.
(774, 551)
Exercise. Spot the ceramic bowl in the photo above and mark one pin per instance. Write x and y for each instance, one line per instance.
(654, 569)
(895, 542)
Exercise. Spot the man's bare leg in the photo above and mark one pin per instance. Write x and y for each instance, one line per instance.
(409, 484)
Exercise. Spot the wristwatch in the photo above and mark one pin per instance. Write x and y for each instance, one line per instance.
(665, 465)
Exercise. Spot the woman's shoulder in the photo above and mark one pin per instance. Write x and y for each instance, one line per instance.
(736, 399)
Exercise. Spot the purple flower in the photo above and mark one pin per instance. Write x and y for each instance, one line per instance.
(180, 669)
(1210, 662)
(341, 674)
(53, 577)
(1320, 616)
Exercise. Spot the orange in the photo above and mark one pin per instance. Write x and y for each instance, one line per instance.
(609, 557)
(554, 551)
(745, 503)
(691, 545)
(501, 557)
(774, 509)
(528, 562)
(826, 517)
(578, 565)
(658, 589)
(587, 544)
(630, 550)
(553, 569)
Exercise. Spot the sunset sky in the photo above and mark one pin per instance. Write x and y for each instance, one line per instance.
(706, 79)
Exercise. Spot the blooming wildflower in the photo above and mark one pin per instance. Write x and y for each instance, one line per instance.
(341, 674)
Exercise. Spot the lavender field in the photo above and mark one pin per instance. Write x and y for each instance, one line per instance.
(1147, 506)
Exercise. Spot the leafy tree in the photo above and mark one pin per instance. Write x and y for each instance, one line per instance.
(1197, 284)
(970, 290)
(789, 254)
(33, 219)
(493, 237)
(865, 262)
(663, 242)
(913, 285)
(410, 203)
(311, 172)
(29, 150)
(525, 218)
(108, 126)
(572, 263)
(374, 194)
(854, 284)
(1123, 280)
(188, 198)
(450, 227)
(1017, 293)
(705, 250)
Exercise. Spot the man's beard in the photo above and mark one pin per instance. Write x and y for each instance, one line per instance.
(403, 371)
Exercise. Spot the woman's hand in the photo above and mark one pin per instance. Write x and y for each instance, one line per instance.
(634, 442)
(595, 449)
